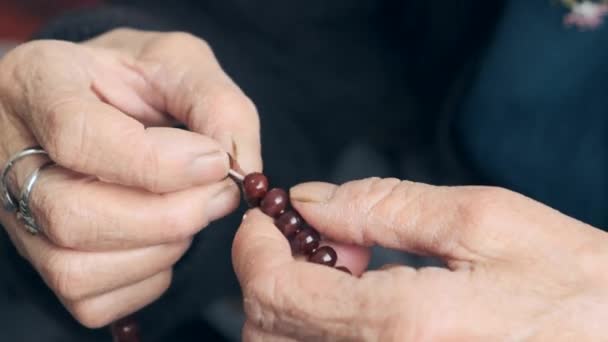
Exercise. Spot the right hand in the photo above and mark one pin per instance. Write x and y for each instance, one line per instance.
(128, 192)
(516, 270)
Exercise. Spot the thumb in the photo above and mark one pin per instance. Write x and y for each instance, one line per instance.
(413, 217)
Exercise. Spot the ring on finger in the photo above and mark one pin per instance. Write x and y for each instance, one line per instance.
(9, 203)
(25, 213)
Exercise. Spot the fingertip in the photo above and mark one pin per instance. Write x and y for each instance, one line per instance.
(208, 166)
(313, 192)
(174, 159)
(355, 258)
(249, 154)
(246, 151)
(224, 202)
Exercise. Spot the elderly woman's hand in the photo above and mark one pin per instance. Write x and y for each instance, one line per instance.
(516, 269)
(128, 192)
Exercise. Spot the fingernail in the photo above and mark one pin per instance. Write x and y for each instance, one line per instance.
(224, 201)
(312, 192)
(226, 140)
(207, 163)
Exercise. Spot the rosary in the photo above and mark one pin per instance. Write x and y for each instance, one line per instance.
(304, 239)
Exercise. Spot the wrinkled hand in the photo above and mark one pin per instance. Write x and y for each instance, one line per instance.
(516, 269)
(129, 191)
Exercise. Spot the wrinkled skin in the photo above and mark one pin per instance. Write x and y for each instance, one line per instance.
(129, 191)
(516, 269)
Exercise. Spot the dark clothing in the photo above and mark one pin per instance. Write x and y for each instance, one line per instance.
(443, 92)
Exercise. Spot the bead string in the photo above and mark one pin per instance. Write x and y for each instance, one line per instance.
(303, 239)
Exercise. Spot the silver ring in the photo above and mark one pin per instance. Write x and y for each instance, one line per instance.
(25, 212)
(7, 199)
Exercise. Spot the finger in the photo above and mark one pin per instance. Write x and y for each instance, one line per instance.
(15, 138)
(471, 228)
(354, 258)
(117, 83)
(100, 311)
(198, 94)
(274, 250)
(309, 301)
(462, 223)
(84, 134)
(75, 275)
(251, 333)
(122, 87)
(86, 214)
(195, 90)
(94, 138)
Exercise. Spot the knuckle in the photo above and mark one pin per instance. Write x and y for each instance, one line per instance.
(55, 218)
(378, 201)
(24, 66)
(387, 196)
(118, 36)
(370, 206)
(30, 62)
(9, 65)
(226, 103)
(121, 31)
(244, 104)
(65, 136)
(28, 51)
(361, 190)
(480, 208)
(357, 191)
(180, 36)
(180, 39)
(149, 172)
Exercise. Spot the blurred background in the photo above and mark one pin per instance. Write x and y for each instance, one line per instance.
(20, 19)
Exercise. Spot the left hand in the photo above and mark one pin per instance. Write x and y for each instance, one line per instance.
(129, 191)
(516, 269)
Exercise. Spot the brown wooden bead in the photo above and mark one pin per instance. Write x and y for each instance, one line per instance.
(344, 269)
(255, 187)
(306, 241)
(325, 256)
(275, 202)
(289, 223)
(125, 330)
